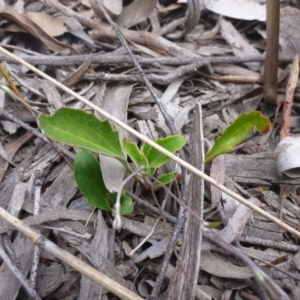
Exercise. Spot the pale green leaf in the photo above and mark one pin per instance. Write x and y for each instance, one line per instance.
(170, 143)
(237, 132)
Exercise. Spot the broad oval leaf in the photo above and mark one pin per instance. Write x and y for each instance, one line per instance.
(171, 143)
(136, 155)
(78, 128)
(89, 179)
(237, 132)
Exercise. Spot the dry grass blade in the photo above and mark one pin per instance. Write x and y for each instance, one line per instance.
(156, 146)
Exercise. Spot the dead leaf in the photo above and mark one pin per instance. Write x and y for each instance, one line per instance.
(289, 98)
(135, 13)
(147, 50)
(217, 172)
(219, 266)
(194, 12)
(240, 46)
(243, 9)
(10, 149)
(113, 7)
(289, 36)
(38, 32)
(285, 190)
(9, 126)
(115, 102)
(76, 29)
(72, 79)
(53, 26)
(287, 157)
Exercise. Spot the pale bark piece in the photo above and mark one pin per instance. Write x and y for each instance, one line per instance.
(76, 29)
(147, 129)
(105, 267)
(9, 284)
(136, 12)
(184, 284)
(113, 7)
(49, 279)
(62, 190)
(285, 190)
(77, 75)
(50, 216)
(221, 267)
(156, 250)
(171, 105)
(211, 292)
(40, 155)
(17, 199)
(145, 38)
(9, 126)
(11, 149)
(289, 27)
(289, 99)
(54, 26)
(115, 102)
(52, 95)
(287, 157)
(212, 125)
(238, 9)
(238, 43)
(99, 249)
(262, 233)
(142, 229)
(194, 12)
(237, 222)
(37, 31)
(217, 172)
(259, 168)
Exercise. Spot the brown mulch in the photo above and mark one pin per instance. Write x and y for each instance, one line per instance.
(206, 69)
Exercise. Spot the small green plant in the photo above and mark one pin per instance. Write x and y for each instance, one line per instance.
(236, 132)
(83, 130)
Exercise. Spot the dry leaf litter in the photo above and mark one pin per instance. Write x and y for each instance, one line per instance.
(205, 61)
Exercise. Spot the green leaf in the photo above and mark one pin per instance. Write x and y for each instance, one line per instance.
(170, 143)
(237, 132)
(126, 203)
(165, 179)
(81, 129)
(89, 179)
(136, 155)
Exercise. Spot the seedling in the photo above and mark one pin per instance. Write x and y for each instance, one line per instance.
(236, 132)
(80, 129)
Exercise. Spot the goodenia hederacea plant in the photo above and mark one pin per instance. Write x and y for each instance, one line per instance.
(83, 130)
(237, 132)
